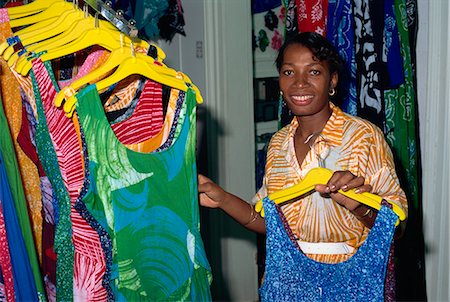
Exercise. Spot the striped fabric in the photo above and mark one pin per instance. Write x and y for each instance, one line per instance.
(147, 118)
(346, 143)
(170, 120)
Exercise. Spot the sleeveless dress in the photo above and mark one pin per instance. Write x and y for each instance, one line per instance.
(292, 276)
(148, 203)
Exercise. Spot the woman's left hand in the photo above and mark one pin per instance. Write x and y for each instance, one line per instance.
(344, 180)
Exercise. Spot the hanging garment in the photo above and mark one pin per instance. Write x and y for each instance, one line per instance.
(28, 173)
(391, 48)
(402, 135)
(312, 16)
(24, 283)
(148, 203)
(371, 99)
(172, 22)
(174, 116)
(63, 232)
(147, 116)
(30, 177)
(341, 31)
(290, 21)
(292, 276)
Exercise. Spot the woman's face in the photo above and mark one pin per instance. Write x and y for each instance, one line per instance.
(305, 82)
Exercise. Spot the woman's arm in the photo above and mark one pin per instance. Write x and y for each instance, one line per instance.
(213, 196)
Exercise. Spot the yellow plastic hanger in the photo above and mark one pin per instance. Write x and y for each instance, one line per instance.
(41, 23)
(29, 9)
(116, 57)
(76, 30)
(321, 176)
(25, 30)
(139, 64)
(4, 45)
(53, 11)
(130, 66)
(103, 36)
(64, 22)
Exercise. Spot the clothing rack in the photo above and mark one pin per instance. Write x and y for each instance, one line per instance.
(115, 17)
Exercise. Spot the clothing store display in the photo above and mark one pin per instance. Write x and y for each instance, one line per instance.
(80, 258)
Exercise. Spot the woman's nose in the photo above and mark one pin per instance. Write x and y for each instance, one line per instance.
(301, 80)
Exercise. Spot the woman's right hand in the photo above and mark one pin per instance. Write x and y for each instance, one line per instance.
(211, 195)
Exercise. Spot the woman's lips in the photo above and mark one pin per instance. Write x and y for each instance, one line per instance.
(301, 100)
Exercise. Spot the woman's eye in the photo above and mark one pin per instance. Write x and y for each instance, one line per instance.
(315, 72)
(288, 72)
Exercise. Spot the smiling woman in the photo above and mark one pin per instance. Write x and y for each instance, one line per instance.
(326, 226)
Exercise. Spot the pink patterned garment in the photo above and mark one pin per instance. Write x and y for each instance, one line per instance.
(4, 17)
(5, 261)
(89, 262)
(312, 16)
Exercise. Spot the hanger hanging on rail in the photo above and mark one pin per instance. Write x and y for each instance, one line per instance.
(63, 22)
(101, 36)
(137, 64)
(318, 176)
(77, 29)
(52, 11)
(37, 21)
(30, 9)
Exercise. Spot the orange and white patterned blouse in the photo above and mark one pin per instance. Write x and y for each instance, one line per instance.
(346, 143)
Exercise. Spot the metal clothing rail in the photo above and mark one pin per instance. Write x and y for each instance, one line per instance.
(115, 17)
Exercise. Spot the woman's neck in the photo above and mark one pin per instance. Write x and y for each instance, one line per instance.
(309, 126)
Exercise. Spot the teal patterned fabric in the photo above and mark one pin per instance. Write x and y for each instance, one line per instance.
(148, 202)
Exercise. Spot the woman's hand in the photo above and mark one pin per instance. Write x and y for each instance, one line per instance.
(210, 194)
(213, 196)
(344, 180)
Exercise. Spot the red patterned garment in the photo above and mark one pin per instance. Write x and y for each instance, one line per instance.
(312, 16)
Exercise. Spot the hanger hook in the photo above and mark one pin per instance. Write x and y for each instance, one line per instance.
(85, 10)
(96, 20)
(121, 40)
(133, 53)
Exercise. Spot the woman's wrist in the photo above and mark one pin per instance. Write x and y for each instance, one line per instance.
(362, 211)
(253, 215)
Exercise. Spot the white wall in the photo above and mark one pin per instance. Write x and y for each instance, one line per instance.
(434, 108)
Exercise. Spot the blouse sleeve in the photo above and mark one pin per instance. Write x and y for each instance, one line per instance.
(381, 173)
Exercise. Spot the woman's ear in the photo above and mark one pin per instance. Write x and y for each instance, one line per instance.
(334, 80)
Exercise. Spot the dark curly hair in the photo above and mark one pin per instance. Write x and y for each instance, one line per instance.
(323, 50)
